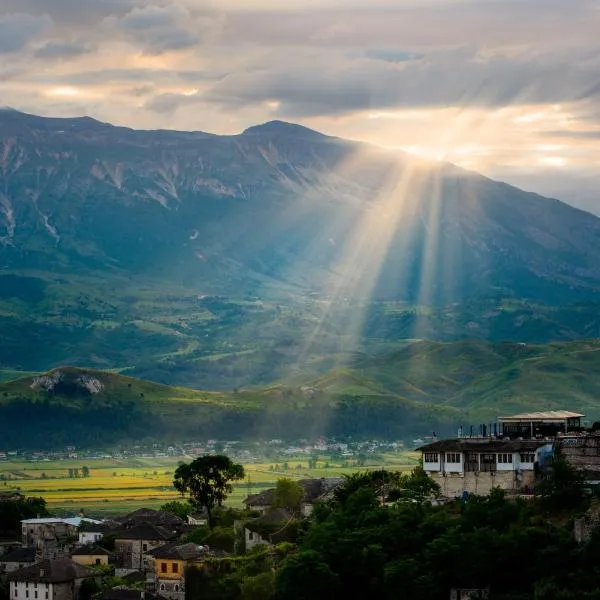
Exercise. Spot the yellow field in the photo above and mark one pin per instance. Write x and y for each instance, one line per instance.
(117, 486)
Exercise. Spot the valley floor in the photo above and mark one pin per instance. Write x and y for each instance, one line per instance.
(116, 486)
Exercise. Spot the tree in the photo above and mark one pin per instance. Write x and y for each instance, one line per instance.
(562, 487)
(71, 473)
(85, 471)
(259, 587)
(207, 481)
(304, 576)
(179, 509)
(288, 494)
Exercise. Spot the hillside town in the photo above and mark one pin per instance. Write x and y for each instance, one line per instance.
(149, 553)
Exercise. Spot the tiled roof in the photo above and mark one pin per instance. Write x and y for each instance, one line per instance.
(177, 551)
(19, 555)
(50, 571)
(483, 445)
(123, 593)
(149, 515)
(90, 550)
(541, 416)
(145, 531)
(313, 489)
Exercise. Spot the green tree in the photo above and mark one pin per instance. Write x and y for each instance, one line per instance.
(71, 473)
(562, 486)
(259, 587)
(305, 576)
(288, 494)
(85, 471)
(207, 481)
(179, 509)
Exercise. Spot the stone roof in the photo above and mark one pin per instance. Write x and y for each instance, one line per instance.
(50, 571)
(90, 550)
(483, 445)
(124, 593)
(19, 555)
(145, 531)
(177, 551)
(149, 515)
(276, 525)
(313, 490)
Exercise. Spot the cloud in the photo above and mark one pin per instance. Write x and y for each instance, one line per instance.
(62, 50)
(160, 29)
(18, 30)
(392, 55)
(442, 79)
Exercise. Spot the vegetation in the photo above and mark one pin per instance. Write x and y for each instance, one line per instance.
(288, 494)
(13, 511)
(417, 389)
(207, 482)
(360, 547)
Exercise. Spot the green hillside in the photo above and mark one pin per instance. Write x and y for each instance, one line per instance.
(424, 386)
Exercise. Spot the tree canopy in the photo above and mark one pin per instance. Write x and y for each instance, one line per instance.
(206, 480)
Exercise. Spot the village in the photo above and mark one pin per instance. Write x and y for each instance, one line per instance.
(147, 554)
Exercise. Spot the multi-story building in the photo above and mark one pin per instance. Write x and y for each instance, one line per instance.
(508, 459)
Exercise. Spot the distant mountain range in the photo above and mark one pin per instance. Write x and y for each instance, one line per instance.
(220, 261)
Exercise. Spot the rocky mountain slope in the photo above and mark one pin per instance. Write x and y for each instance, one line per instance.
(159, 250)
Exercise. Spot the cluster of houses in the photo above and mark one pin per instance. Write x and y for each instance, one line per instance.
(57, 555)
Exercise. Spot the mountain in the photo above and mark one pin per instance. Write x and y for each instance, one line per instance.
(423, 387)
(218, 261)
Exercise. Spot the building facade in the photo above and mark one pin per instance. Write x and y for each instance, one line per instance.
(478, 465)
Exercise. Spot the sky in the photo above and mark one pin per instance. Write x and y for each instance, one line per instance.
(510, 88)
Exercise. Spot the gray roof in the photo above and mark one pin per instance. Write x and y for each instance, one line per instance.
(483, 445)
(19, 555)
(51, 571)
(90, 550)
(149, 515)
(550, 415)
(178, 551)
(313, 490)
(145, 531)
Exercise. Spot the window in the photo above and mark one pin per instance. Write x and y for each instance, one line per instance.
(527, 458)
(98, 561)
(162, 587)
(452, 457)
(163, 567)
(26, 593)
(176, 588)
(250, 535)
(35, 594)
(431, 457)
(504, 458)
(145, 547)
(16, 591)
(175, 568)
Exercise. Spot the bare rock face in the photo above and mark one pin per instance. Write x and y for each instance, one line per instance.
(58, 381)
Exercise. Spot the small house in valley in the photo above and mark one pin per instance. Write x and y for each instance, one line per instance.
(132, 545)
(91, 554)
(17, 559)
(48, 580)
(170, 564)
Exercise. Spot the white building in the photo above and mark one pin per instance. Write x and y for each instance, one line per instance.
(477, 465)
(48, 580)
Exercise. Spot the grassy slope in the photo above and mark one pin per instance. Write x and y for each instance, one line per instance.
(424, 385)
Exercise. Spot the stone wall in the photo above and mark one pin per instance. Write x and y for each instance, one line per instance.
(482, 483)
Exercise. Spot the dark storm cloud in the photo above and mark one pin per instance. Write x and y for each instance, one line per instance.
(18, 30)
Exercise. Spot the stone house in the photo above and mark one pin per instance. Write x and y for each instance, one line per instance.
(314, 490)
(272, 527)
(48, 580)
(132, 545)
(170, 563)
(477, 465)
(51, 537)
(17, 559)
(90, 554)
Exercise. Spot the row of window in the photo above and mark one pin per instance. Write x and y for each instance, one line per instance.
(502, 458)
(35, 594)
(175, 587)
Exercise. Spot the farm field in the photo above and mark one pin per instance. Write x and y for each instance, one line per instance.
(116, 486)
